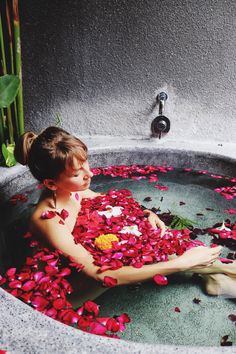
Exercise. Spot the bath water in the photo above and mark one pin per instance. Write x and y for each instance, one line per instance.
(179, 313)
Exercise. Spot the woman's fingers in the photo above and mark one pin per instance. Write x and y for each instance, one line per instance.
(216, 250)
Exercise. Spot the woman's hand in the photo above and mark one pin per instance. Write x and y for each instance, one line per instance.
(155, 221)
(200, 256)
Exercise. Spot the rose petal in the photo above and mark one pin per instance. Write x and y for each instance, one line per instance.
(226, 260)
(177, 309)
(109, 282)
(91, 307)
(160, 279)
(49, 214)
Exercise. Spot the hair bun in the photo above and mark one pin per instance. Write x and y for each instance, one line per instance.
(23, 146)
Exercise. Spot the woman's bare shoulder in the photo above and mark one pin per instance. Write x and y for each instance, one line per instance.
(42, 206)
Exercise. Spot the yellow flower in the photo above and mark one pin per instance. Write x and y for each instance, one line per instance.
(104, 242)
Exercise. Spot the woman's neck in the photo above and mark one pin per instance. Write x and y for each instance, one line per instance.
(61, 198)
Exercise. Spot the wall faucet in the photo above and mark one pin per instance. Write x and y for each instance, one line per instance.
(161, 98)
(160, 124)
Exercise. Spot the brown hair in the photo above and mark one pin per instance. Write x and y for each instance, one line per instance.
(49, 153)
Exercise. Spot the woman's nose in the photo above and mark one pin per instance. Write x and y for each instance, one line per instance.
(88, 174)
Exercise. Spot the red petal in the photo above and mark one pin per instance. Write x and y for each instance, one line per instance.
(64, 214)
(160, 279)
(51, 270)
(112, 325)
(232, 317)
(49, 214)
(177, 309)
(39, 303)
(11, 272)
(59, 304)
(91, 307)
(15, 284)
(109, 282)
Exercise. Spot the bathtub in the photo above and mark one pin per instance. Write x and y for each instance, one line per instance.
(24, 330)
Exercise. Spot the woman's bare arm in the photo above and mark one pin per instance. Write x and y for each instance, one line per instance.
(60, 237)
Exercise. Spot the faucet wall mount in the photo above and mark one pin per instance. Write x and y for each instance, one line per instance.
(161, 124)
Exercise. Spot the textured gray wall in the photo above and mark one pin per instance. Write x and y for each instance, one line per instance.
(100, 64)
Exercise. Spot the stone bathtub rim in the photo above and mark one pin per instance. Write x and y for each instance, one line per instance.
(103, 144)
(24, 330)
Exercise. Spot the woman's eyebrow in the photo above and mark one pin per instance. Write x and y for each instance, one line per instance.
(76, 170)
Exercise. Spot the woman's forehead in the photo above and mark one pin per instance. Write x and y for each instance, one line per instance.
(75, 164)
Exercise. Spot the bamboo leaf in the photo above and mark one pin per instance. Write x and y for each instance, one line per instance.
(8, 154)
(9, 87)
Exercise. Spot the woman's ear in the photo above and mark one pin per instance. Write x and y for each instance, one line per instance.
(50, 184)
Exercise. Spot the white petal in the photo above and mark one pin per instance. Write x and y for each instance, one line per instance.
(223, 227)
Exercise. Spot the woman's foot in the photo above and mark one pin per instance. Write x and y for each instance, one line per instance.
(230, 269)
(220, 284)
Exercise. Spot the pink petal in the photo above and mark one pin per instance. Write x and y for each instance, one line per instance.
(97, 328)
(76, 196)
(64, 272)
(124, 318)
(117, 255)
(230, 211)
(29, 285)
(226, 260)
(51, 313)
(147, 258)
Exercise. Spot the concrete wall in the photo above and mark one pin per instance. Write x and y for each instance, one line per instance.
(100, 63)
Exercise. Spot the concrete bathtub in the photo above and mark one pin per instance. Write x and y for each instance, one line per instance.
(24, 330)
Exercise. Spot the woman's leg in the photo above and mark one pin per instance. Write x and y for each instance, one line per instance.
(220, 278)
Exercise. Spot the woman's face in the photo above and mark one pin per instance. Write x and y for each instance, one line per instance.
(75, 178)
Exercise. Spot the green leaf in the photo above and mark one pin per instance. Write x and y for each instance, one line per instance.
(8, 154)
(180, 223)
(58, 122)
(9, 87)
